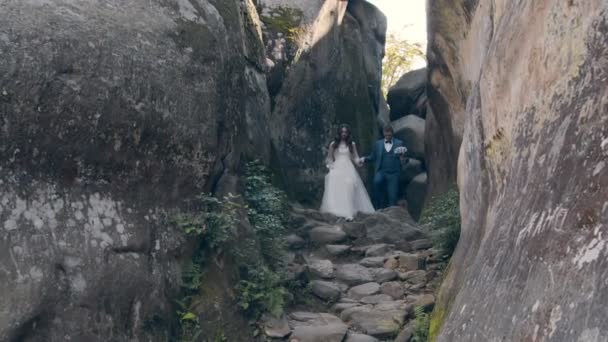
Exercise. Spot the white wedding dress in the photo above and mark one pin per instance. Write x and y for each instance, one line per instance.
(344, 194)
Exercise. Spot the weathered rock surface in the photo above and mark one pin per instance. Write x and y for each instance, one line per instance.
(416, 195)
(316, 327)
(337, 250)
(327, 234)
(321, 269)
(111, 113)
(409, 170)
(353, 337)
(325, 289)
(276, 327)
(354, 274)
(410, 129)
(532, 167)
(384, 229)
(334, 78)
(363, 290)
(381, 320)
(404, 95)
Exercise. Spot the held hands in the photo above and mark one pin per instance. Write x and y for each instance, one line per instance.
(360, 162)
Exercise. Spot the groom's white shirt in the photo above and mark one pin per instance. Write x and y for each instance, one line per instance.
(388, 146)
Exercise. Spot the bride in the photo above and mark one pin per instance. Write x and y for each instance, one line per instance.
(344, 194)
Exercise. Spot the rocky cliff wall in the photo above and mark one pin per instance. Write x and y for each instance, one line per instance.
(530, 80)
(335, 78)
(447, 89)
(113, 113)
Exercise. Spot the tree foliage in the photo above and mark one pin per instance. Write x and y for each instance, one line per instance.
(399, 57)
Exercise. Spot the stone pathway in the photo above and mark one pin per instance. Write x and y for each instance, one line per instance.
(367, 275)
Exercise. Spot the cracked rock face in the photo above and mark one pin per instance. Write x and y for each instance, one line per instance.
(532, 261)
(110, 113)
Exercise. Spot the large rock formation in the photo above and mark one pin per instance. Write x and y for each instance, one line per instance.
(335, 78)
(112, 113)
(447, 89)
(532, 260)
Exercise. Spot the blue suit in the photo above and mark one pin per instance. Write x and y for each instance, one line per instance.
(387, 173)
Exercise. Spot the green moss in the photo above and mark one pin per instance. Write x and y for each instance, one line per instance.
(285, 20)
(437, 320)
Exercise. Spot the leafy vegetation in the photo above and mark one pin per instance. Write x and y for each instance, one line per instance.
(267, 211)
(261, 288)
(213, 223)
(262, 292)
(442, 216)
(398, 59)
(421, 328)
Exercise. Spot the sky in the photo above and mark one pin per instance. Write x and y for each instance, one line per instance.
(406, 17)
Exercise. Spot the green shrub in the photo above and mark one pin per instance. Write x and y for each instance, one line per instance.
(267, 209)
(261, 288)
(442, 216)
(421, 328)
(261, 292)
(215, 220)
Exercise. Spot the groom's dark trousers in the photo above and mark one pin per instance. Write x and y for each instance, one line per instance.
(387, 174)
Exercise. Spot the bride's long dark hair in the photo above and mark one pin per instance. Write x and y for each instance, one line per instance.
(349, 138)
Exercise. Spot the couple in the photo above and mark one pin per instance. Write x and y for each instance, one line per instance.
(345, 194)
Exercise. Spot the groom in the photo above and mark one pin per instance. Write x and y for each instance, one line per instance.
(388, 169)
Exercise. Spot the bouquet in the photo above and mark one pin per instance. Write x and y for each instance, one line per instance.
(400, 150)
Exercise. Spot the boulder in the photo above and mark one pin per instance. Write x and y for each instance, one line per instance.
(354, 337)
(409, 170)
(378, 250)
(363, 290)
(404, 95)
(354, 230)
(337, 250)
(354, 274)
(327, 234)
(382, 321)
(393, 289)
(323, 269)
(325, 290)
(275, 327)
(410, 129)
(414, 277)
(416, 195)
(384, 229)
(382, 275)
(316, 327)
(376, 299)
(372, 262)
